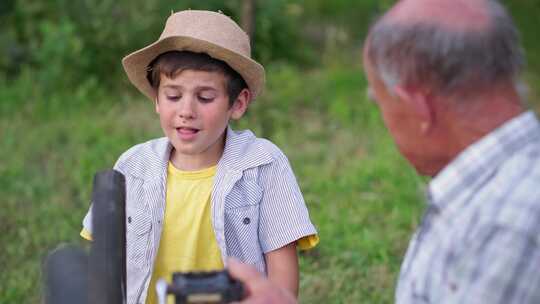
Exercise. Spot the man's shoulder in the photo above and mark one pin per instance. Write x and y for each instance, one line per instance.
(528, 154)
(139, 158)
(515, 191)
(521, 170)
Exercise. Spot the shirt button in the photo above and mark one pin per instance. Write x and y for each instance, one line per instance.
(129, 219)
(246, 221)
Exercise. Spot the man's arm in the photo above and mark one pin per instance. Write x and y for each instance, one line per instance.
(282, 267)
(258, 289)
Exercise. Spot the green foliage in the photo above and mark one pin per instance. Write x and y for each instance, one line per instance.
(66, 42)
(277, 37)
(529, 34)
(65, 115)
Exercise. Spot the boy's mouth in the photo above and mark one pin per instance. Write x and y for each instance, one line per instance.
(187, 133)
(186, 130)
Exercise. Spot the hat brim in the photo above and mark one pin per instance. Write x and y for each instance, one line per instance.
(136, 63)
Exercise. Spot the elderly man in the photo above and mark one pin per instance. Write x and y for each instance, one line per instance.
(444, 74)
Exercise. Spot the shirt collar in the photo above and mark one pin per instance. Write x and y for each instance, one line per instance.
(239, 154)
(481, 158)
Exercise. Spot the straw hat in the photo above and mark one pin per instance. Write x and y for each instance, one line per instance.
(201, 32)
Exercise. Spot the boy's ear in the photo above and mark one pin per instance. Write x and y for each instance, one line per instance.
(241, 104)
(420, 101)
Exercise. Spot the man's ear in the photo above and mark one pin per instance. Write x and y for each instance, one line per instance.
(156, 103)
(241, 104)
(421, 102)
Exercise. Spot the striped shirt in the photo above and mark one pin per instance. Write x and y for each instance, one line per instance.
(256, 204)
(479, 238)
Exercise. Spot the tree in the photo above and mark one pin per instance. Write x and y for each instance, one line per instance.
(248, 17)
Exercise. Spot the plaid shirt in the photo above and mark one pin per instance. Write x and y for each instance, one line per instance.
(479, 238)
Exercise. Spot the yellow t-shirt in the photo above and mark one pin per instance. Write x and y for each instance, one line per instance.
(187, 239)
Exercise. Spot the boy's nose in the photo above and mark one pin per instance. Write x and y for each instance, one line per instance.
(187, 108)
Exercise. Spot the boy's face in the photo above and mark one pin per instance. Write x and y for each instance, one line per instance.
(194, 112)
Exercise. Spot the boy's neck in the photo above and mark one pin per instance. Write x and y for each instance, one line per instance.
(191, 163)
(196, 162)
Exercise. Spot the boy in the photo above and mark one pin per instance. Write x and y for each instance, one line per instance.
(205, 192)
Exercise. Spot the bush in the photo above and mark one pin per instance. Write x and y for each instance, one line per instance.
(65, 42)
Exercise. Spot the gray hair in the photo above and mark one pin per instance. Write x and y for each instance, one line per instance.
(450, 61)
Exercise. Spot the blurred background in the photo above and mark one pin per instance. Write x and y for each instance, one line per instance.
(68, 111)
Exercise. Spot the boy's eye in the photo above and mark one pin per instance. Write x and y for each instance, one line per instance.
(204, 98)
(173, 97)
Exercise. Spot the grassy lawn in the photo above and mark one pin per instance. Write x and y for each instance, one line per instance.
(362, 196)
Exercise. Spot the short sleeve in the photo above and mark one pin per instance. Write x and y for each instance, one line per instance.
(500, 267)
(308, 242)
(85, 234)
(87, 225)
(283, 216)
(86, 231)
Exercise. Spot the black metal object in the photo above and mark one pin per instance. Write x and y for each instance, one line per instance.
(107, 274)
(73, 276)
(203, 287)
(66, 276)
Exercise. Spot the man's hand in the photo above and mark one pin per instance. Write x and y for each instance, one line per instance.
(259, 290)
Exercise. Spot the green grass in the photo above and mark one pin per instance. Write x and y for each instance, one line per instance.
(49, 155)
(363, 197)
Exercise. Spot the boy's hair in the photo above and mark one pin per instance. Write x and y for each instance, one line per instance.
(174, 62)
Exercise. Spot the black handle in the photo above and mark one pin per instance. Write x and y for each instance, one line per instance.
(107, 275)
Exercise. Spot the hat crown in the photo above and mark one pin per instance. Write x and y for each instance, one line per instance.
(201, 32)
(213, 27)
